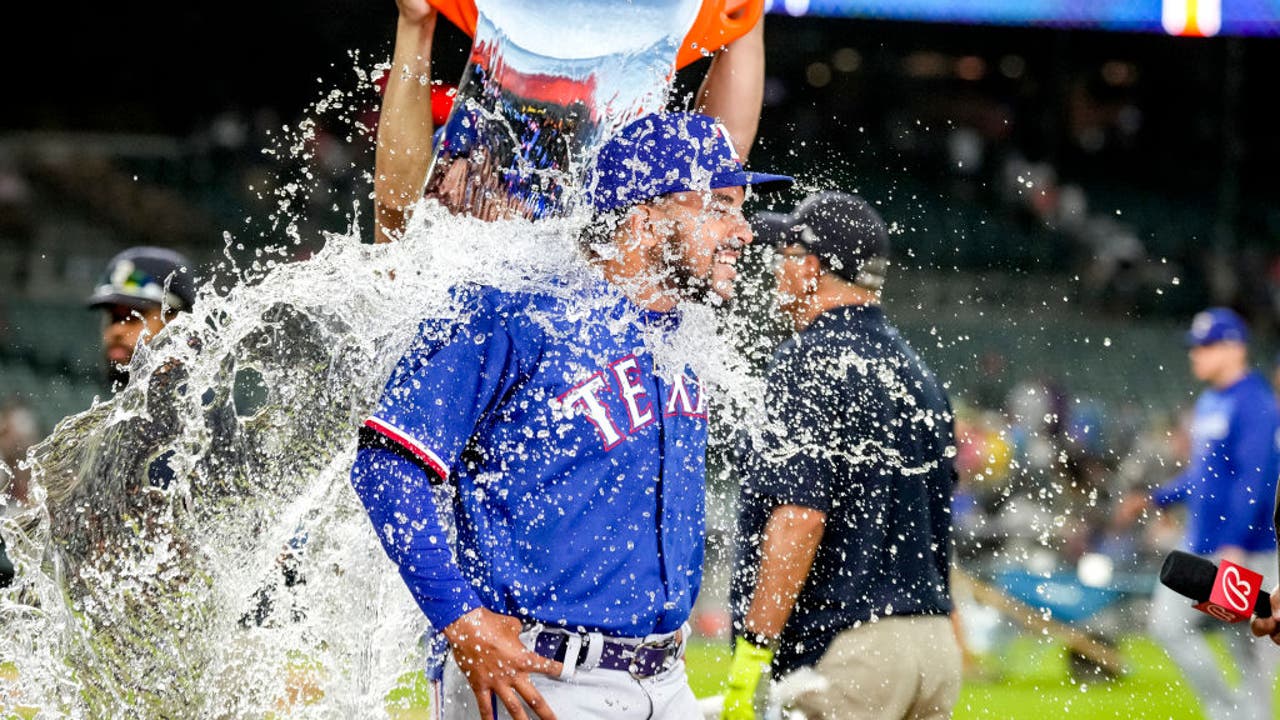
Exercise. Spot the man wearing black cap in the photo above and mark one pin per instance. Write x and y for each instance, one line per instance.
(142, 289)
(841, 580)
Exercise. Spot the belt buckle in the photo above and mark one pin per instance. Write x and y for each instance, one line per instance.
(667, 645)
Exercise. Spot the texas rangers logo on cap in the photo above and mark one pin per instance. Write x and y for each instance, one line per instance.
(1216, 325)
(723, 133)
(1201, 324)
(666, 153)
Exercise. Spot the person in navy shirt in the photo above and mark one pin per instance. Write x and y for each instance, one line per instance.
(1227, 489)
(578, 466)
(844, 529)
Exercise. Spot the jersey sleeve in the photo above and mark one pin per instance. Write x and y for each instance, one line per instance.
(401, 505)
(444, 387)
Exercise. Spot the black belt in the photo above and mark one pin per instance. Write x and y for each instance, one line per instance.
(641, 659)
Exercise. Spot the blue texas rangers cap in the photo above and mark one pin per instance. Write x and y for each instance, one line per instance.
(666, 153)
(1216, 325)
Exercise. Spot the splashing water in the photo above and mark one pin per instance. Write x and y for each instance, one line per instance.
(172, 601)
(538, 95)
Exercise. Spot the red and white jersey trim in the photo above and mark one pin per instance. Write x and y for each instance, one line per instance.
(404, 440)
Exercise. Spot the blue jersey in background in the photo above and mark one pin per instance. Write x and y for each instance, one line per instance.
(1229, 485)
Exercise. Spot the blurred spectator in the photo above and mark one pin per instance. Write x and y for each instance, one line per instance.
(1045, 476)
(988, 389)
(1113, 277)
(15, 203)
(1035, 409)
(142, 289)
(984, 462)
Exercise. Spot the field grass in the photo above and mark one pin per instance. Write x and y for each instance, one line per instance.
(1030, 680)
(1027, 680)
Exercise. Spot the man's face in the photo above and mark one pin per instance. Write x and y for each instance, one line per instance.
(123, 327)
(1213, 361)
(701, 236)
(794, 275)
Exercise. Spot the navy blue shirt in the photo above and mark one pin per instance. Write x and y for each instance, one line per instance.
(579, 469)
(861, 430)
(1230, 482)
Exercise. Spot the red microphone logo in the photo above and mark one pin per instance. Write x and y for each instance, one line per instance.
(1233, 591)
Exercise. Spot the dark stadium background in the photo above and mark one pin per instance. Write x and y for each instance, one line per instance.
(1179, 143)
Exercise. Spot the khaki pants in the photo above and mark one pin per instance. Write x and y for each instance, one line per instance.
(897, 667)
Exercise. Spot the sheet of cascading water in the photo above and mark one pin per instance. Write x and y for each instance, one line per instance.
(542, 89)
(253, 583)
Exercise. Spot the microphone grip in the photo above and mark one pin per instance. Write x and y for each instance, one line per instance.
(1194, 577)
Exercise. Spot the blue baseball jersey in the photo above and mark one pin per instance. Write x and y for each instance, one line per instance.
(1230, 482)
(579, 472)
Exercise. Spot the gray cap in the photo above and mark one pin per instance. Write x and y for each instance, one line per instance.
(146, 277)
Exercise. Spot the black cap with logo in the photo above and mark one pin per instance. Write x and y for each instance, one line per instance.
(771, 228)
(146, 277)
(847, 233)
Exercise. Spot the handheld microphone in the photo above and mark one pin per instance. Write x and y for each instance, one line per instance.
(1226, 591)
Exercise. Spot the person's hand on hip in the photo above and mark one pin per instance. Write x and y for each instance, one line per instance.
(487, 648)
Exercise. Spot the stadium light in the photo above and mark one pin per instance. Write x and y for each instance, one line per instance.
(1192, 18)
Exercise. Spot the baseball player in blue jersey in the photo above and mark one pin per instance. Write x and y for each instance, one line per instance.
(578, 467)
(1227, 489)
